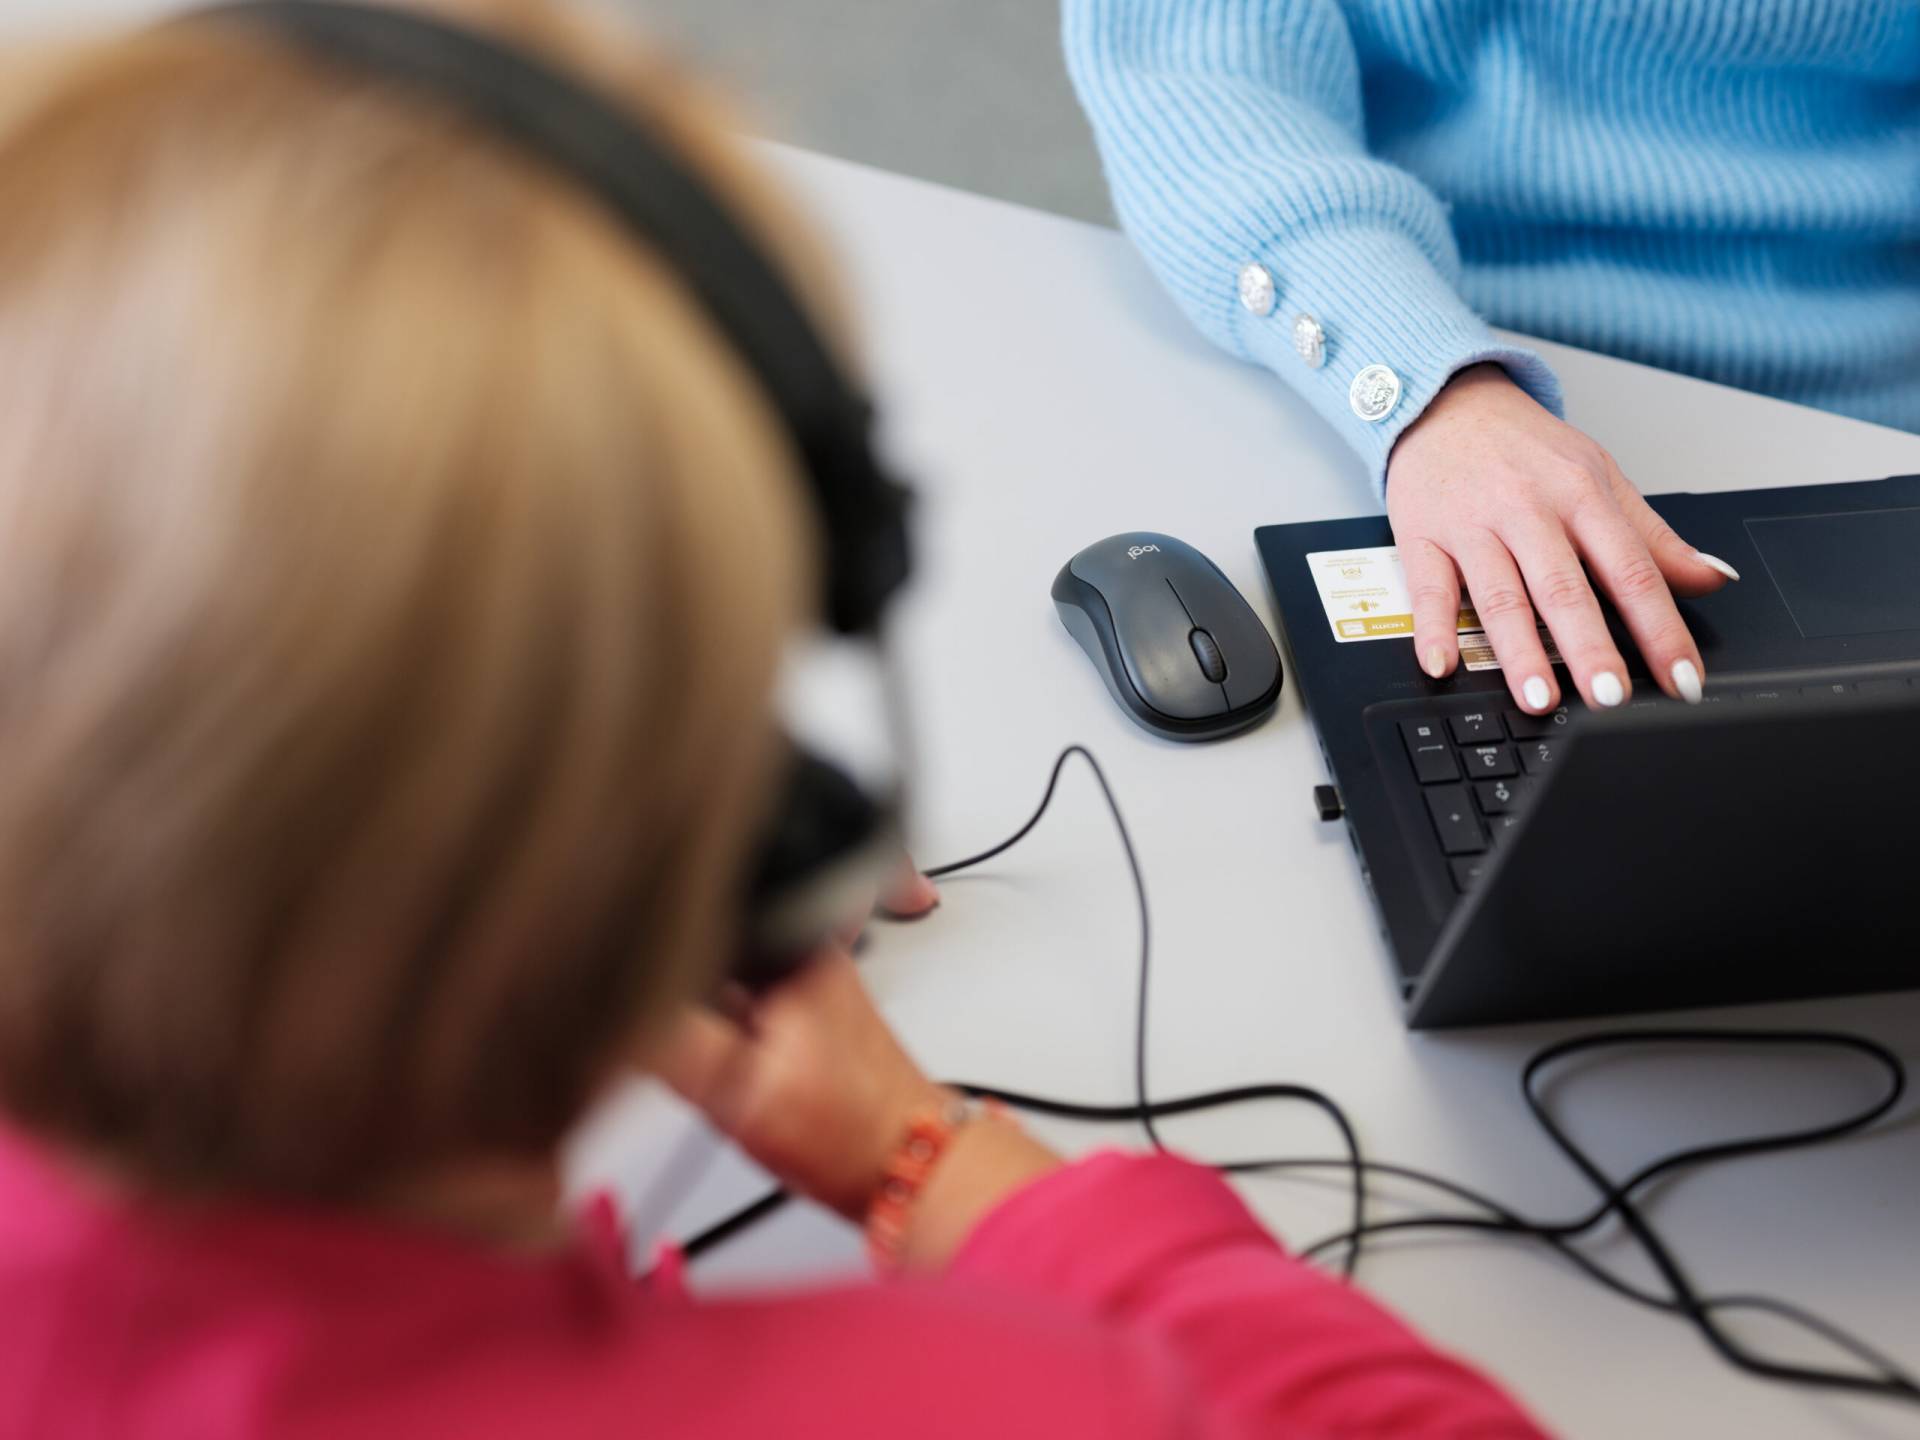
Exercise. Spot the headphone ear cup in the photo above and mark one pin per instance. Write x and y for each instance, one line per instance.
(825, 852)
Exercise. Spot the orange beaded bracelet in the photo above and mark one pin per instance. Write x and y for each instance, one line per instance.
(926, 1139)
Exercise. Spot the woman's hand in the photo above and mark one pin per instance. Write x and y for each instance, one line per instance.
(809, 1081)
(908, 894)
(737, 1066)
(1488, 487)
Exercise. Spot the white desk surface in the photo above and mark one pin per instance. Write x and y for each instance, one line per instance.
(1045, 393)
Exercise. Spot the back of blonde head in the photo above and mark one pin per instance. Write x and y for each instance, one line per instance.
(393, 563)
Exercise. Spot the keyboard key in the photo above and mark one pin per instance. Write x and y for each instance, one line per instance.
(1763, 694)
(1825, 691)
(1888, 685)
(1499, 825)
(1498, 797)
(1486, 761)
(1531, 727)
(1482, 727)
(1423, 732)
(1536, 756)
(1454, 820)
(1433, 760)
(1467, 870)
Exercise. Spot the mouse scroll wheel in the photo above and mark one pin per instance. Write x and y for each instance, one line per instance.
(1212, 664)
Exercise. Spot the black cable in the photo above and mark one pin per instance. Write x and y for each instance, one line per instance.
(745, 1218)
(1619, 1200)
(1505, 1221)
(1206, 1100)
(1615, 1197)
(1699, 1155)
(1143, 1109)
(953, 867)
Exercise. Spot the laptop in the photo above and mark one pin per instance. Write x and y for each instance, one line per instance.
(1763, 845)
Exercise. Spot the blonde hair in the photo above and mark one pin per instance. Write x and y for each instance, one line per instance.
(393, 565)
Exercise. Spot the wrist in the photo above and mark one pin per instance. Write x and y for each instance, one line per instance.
(891, 1126)
(1482, 387)
(1467, 386)
(984, 1163)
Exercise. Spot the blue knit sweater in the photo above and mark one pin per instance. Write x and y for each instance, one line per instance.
(1729, 188)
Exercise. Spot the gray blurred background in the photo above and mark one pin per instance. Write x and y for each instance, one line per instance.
(967, 92)
(970, 93)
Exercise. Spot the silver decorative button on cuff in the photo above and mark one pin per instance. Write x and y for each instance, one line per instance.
(1374, 393)
(1256, 289)
(1310, 340)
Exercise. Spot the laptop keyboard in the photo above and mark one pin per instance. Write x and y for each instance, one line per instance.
(1475, 762)
(1474, 768)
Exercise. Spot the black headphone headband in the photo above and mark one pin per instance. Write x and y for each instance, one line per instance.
(612, 155)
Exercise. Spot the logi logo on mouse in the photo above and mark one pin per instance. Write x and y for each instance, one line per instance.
(1134, 552)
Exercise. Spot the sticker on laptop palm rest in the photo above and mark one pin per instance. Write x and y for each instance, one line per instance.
(1364, 593)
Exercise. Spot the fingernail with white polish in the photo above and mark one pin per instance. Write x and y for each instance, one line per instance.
(1686, 679)
(1534, 692)
(1436, 662)
(1714, 562)
(1607, 691)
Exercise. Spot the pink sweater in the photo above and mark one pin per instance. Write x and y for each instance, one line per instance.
(1121, 1297)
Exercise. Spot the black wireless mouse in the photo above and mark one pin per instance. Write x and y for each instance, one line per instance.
(1179, 648)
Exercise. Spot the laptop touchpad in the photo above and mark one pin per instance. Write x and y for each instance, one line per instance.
(1852, 573)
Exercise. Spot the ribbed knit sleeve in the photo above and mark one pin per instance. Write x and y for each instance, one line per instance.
(1232, 135)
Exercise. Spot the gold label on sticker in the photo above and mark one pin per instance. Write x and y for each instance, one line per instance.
(1374, 626)
(1476, 651)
